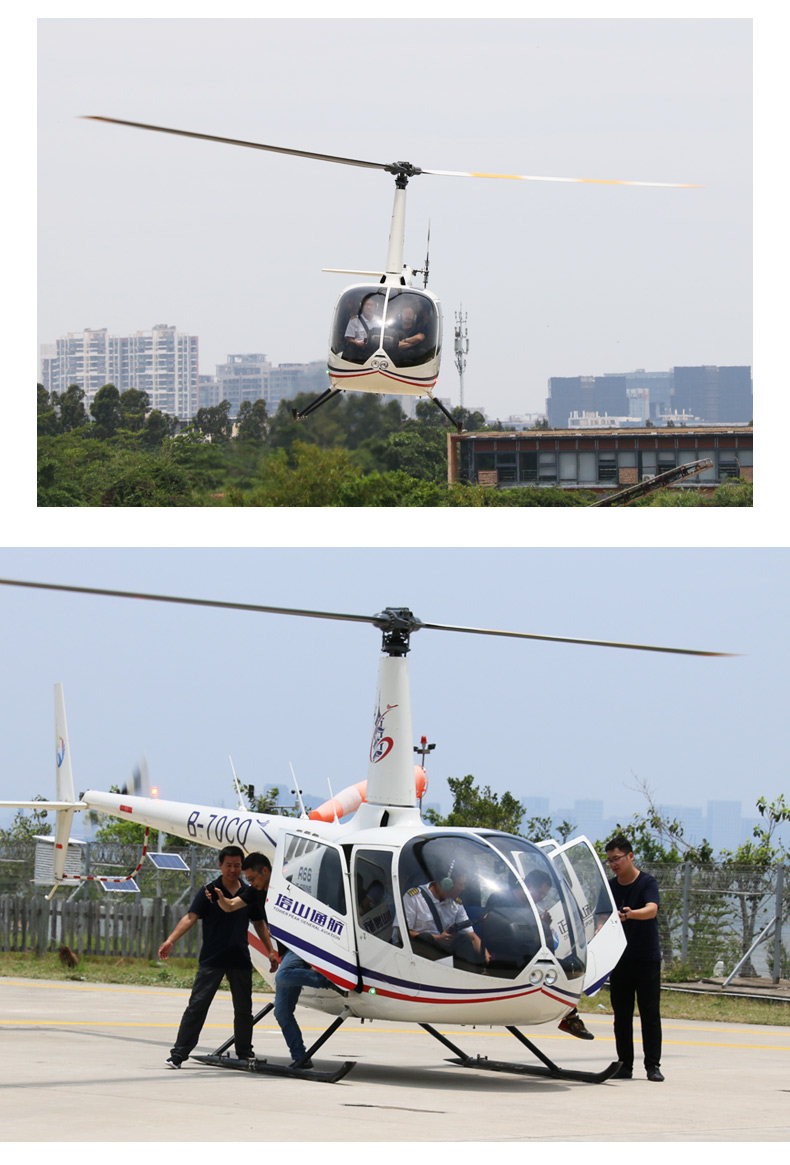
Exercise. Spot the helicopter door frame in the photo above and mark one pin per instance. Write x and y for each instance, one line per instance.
(606, 944)
(312, 914)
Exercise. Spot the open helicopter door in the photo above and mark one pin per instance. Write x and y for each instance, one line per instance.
(578, 864)
(309, 906)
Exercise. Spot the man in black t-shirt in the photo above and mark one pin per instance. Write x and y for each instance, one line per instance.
(224, 954)
(637, 975)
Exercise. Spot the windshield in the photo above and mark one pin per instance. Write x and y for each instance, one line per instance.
(553, 897)
(404, 322)
(465, 905)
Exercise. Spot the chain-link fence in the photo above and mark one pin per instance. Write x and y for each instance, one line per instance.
(712, 915)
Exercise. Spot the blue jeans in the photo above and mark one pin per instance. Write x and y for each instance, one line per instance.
(292, 975)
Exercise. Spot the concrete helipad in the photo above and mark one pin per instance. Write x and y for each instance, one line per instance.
(84, 1062)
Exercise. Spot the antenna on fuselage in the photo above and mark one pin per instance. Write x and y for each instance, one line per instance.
(297, 791)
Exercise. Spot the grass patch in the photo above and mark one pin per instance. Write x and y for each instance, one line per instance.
(722, 1009)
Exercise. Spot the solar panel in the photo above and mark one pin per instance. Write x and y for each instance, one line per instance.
(168, 861)
(128, 886)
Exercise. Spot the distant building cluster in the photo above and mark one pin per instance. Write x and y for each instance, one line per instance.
(721, 822)
(706, 394)
(164, 363)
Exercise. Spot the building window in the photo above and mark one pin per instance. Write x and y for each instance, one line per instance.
(528, 468)
(547, 467)
(607, 467)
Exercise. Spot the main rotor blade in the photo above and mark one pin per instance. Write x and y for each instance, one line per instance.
(376, 620)
(567, 639)
(188, 602)
(535, 178)
(391, 167)
(185, 133)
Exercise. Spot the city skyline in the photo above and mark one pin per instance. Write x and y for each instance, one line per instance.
(555, 278)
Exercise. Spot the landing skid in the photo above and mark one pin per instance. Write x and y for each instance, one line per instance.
(548, 1068)
(218, 1058)
(263, 1066)
(325, 396)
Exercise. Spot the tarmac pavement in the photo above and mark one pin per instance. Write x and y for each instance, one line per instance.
(83, 1062)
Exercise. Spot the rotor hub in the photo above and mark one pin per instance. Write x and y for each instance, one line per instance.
(396, 625)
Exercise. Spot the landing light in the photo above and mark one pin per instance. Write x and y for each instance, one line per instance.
(535, 976)
(550, 977)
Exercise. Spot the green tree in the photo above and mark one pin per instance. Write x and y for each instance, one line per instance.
(158, 426)
(106, 411)
(251, 421)
(479, 808)
(71, 406)
(215, 422)
(46, 417)
(27, 823)
(134, 404)
(268, 802)
(751, 867)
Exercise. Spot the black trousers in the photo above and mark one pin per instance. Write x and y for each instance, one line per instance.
(637, 980)
(204, 988)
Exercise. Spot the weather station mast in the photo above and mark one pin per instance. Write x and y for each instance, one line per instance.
(461, 348)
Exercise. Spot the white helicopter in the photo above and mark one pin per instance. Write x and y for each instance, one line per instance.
(386, 336)
(340, 890)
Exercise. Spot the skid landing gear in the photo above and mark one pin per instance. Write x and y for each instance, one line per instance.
(219, 1059)
(549, 1068)
(325, 396)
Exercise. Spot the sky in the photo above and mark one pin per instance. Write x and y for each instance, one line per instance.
(188, 688)
(556, 279)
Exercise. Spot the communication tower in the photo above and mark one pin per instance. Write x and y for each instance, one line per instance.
(461, 347)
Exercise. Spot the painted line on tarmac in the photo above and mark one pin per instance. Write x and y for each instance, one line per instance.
(44, 1023)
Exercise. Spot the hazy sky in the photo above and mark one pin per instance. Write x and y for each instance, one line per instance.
(189, 687)
(557, 279)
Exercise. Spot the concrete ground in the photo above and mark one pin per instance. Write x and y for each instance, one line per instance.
(84, 1062)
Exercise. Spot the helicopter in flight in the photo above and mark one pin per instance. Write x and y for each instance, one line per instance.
(386, 336)
(536, 924)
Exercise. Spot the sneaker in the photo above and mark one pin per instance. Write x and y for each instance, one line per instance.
(624, 1072)
(303, 1064)
(654, 1073)
(574, 1026)
(171, 1063)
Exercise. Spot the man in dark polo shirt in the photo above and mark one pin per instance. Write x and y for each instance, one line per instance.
(637, 975)
(224, 954)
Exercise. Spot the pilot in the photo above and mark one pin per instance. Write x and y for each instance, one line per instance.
(436, 917)
(357, 335)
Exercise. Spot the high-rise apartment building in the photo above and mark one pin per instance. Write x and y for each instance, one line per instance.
(162, 362)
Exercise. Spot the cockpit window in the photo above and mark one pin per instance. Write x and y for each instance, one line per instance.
(556, 905)
(403, 322)
(467, 906)
(375, 896)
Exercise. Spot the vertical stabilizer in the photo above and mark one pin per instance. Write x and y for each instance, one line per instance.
(64, 782)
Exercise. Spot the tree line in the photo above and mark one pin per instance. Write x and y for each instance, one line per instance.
(354, 451)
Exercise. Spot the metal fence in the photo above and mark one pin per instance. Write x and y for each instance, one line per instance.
(710, 917)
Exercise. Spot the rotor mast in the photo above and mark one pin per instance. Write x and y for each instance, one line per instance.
(402, 171)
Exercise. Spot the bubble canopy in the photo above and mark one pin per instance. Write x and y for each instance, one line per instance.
(511, 904)
(399, 325)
